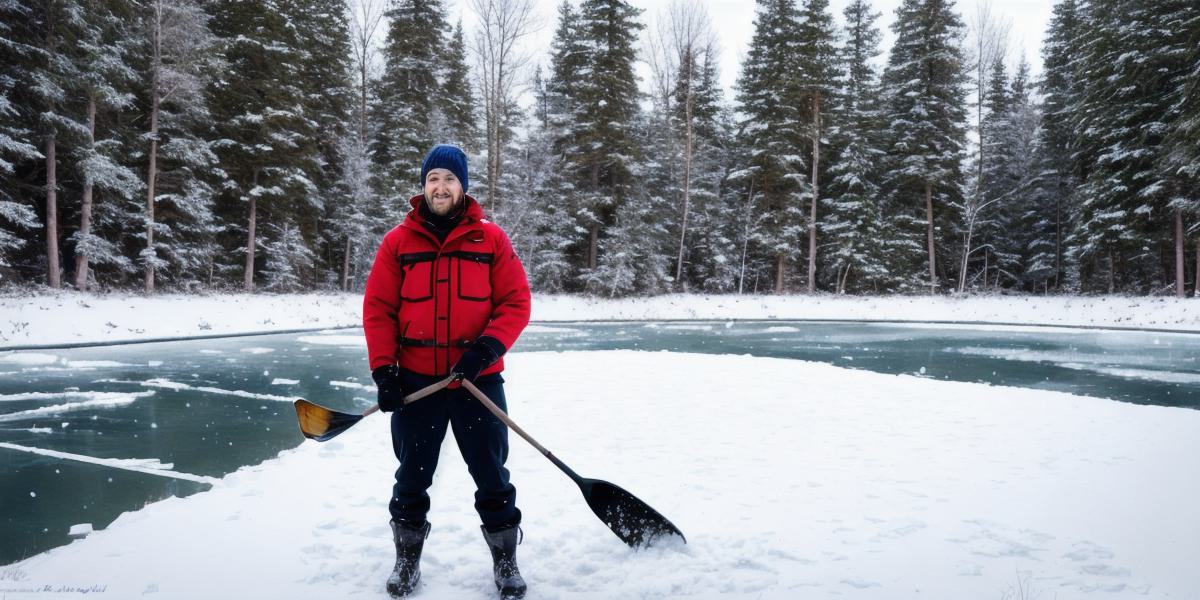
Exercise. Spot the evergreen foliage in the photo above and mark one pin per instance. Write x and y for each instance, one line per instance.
(852, 226)
(772, 136)
(195, 120)
(407, 113)
(925, 138)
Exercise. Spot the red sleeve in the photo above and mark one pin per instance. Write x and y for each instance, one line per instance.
(510, 294)
(381, 305)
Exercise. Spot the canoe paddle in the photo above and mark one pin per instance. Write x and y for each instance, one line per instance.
(322, 424)
(633, 521)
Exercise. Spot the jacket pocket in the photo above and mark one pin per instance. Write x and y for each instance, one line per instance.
(416, 276)
(474, 276)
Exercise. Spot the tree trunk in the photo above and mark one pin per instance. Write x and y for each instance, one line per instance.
(929, 235)
(248, 282)
(594, 236)
(152, 170)
(962, 273)
(687, 174)
(346, 265)
(53, 279)
(1196, 282)
(812, 219)
(85, 211)
(746, 237)
(780, 272)
(1180, 290)
(1057, 243)
(1112, 274)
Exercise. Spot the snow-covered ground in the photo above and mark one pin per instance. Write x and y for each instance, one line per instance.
(790, 479)
(68, 317)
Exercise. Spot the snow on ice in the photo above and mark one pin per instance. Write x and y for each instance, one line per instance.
(790, 479)
(39, 320)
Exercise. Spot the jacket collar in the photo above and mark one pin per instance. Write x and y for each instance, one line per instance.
(472, 215)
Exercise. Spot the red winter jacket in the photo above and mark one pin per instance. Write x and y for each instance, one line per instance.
(427, 302)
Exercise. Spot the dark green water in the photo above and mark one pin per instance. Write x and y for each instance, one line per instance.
(200, 421)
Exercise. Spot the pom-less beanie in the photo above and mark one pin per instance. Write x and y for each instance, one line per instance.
(445, 156)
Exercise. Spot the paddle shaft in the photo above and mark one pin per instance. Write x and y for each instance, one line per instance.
(417, 395)
(491, 406)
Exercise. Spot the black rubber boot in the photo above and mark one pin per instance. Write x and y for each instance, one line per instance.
(503, 545)
(407, 573)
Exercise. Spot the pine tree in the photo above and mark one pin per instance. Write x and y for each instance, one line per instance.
(406, 113)
(322, 35)
(852, 225)
(772, 133)
(268, 148)
(1056, 171)
(1124, 222)
(181, 169)
(924, 84)
(604, 96)
(17, 54)
(1012, 222)
(457, 103)
(55, 29)
(107, 46)
(817, 73)
(711, 252)
(990, 220)
(1179, 23)
(288, 258)
(632, 255)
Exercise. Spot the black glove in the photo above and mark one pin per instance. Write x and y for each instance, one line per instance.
(481, 355)
(390, 381)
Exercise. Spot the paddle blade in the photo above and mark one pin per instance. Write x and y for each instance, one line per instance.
(631, 519)
(320, 423)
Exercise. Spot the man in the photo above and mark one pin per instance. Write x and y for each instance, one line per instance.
(446, 295)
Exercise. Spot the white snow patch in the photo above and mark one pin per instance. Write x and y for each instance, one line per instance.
(547, 329)
(114, 317)
(149, 466)
(80, 529)
(351, 385)
(95, 364)
(282, 381)
(257, 350)
(96, 400)
(1146, 374)
(334, 340)
(28, 358)
(178, 386)
(781, 329)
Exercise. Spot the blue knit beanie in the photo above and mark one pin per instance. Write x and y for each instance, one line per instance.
(445, 156)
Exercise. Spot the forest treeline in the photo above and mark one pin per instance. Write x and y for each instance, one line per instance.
(269, 144)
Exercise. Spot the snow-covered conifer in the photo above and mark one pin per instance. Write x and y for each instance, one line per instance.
(925, 137)
(772, 138)
(852, 227)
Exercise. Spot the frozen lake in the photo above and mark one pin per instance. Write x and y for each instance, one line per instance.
(181, 412)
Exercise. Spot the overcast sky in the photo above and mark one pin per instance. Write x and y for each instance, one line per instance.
(733, 21)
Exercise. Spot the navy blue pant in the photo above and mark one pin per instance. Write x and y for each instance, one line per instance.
(417, 434)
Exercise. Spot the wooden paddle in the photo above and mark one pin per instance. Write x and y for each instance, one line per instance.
(628, 517)
(632, 520)
(323, 424)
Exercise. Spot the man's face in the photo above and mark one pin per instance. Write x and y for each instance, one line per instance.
(443, 191)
